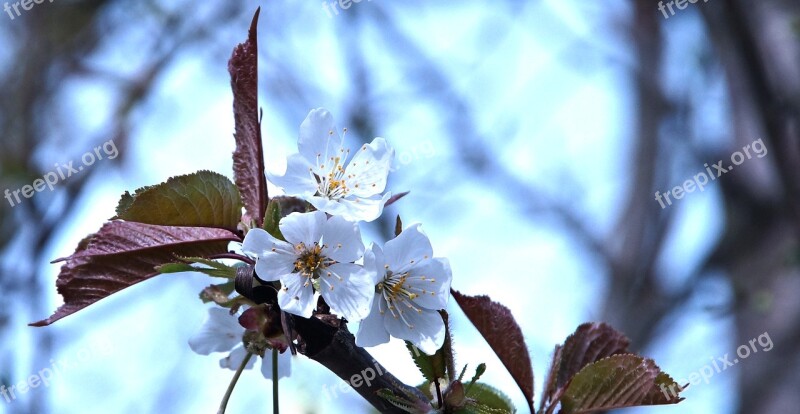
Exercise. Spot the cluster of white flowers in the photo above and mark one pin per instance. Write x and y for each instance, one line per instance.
(395, 291)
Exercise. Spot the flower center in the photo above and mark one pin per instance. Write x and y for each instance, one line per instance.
(333, 184)
(394, 288)
(398, 295)
(309, 260)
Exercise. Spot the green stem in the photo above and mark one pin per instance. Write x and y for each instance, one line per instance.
(275, 406)
(235, 379)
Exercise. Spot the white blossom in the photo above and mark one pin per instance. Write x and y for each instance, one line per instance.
(410, 287)
(221, 332)
(317, 251)
(320, 173)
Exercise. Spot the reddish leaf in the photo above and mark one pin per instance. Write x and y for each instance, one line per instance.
(495, 322)
(122, 254)
(549, 392)
(248, 158)
(618, 381)
(393, 199)
(591, 342)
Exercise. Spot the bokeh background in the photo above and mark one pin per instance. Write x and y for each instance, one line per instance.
(533, 136)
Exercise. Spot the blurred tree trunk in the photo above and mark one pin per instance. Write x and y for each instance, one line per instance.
(758, 44)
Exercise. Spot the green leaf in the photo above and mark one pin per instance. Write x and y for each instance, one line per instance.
(432, 367)
(175, 268)
(407, 403)
(273, 219)
(438, 365)
(618, 381)
(478, 373)
(589, 343)
(202, 199)
(214, 269)
(486, 400)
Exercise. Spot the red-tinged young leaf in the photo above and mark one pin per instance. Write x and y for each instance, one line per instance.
(120, 237)
(122, 254)
(201, 199)
(248, 158)
(618, 381)
(393, 199)
(495, 322)
(549, 392)
(589, 343)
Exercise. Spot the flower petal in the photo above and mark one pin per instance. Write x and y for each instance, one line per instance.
(319, 139)
(298, 180)
(426, 330)
(410, 247)
(374, 263)
(235, 359)
(297, 295)
(364, 209)
(343, 240)
(348, 289)
(275, 257)
(372, 330)
(430, 279)
(258, 242)
(274, 266)
(303, 227)
(332, 207)
(220, 332)
(284, 365)
(367, 172)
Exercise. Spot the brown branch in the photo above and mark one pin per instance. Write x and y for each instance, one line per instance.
(330, 343)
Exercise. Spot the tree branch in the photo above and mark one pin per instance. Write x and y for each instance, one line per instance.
(329, 342)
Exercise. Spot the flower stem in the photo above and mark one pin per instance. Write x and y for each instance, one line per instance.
(275, 406)
(235, 379)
